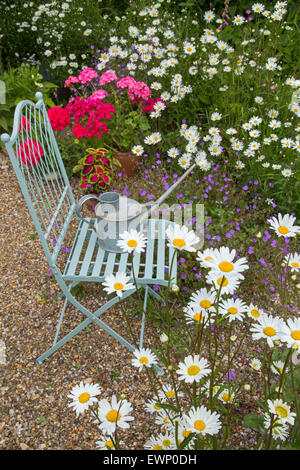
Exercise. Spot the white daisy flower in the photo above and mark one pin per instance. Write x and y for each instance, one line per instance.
(137, 149)
(195, 314)
(204, 299)
(284, 225)
(282, 410)
(193, 369)
(254, 312)
(293, 261)
(114, 415)
(226, 396)
(222, 262)
(228, 284)
(255, 364)
(280, 430)
(268, 328)
(277, 367)
(105, 444)
(181, 238)
(234, 309)
(290, 332)
(132, 241)
(202, 421)
(143, 358)
(82, 396)
(117, 283)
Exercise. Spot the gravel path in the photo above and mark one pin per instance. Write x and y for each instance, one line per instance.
(33, 398)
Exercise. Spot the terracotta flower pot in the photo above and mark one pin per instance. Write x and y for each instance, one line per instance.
(129, 162)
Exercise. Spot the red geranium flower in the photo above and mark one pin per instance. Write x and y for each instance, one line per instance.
(59, 118)
(30, 152)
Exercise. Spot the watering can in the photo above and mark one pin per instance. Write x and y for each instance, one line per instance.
(116, 214)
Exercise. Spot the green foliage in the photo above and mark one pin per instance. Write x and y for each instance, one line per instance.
(22, 83)
(127, 132)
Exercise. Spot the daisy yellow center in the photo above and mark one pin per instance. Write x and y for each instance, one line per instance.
(193, 370)
(109, 444)
(118, 286)
(113, 416)
(225, 282)
(166, 442)
(295, 265)
(198, 317)
(255, 313)
(179, 242)
(227, 397)
(157, 447)
(132, 243)
(186, 433)
(170, 394)
(199, 425)
(283, 230)
(269, 331)
(295, 335)
(144, 360)
(280, 410)
(226, 266)
(84, 397)
(232, 310)
(205, 303)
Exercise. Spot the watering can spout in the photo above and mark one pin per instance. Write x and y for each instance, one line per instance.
(162, 198)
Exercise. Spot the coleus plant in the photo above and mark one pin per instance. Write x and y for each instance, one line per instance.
(96, 169)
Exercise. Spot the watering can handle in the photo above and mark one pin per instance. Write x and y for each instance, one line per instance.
(79, 205)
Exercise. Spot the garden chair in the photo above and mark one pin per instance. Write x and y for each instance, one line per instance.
(38, 165)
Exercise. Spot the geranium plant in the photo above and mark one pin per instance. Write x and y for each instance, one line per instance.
(96, 169)
(108, 108)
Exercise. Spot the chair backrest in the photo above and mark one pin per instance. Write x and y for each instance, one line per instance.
(37, 162)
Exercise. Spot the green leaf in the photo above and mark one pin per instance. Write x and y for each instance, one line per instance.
(253, 421)
(4, 123)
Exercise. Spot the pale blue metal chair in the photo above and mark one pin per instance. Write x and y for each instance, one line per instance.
(37, 162)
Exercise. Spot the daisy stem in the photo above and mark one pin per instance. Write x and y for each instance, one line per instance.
(263, 371)
(296, 394)
(129, 327)
(283, 371)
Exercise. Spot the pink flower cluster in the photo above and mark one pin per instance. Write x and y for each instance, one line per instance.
(85, 76)
(136, 90)
(95, 110)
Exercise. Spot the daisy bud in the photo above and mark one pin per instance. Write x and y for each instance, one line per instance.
(247, 387)
(298, 286)
(164, 338)
(258, 235)
(170, 367)
(175, 288)
(282, 265)
(122, 396)
(277, 342)
(295, 346)
(294, 277)
(233, 338)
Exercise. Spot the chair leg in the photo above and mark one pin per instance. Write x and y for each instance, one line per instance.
(92, 317)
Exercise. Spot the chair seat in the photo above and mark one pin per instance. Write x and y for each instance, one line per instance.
(89, 262)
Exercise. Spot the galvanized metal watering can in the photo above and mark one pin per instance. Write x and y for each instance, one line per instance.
(116, 214)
